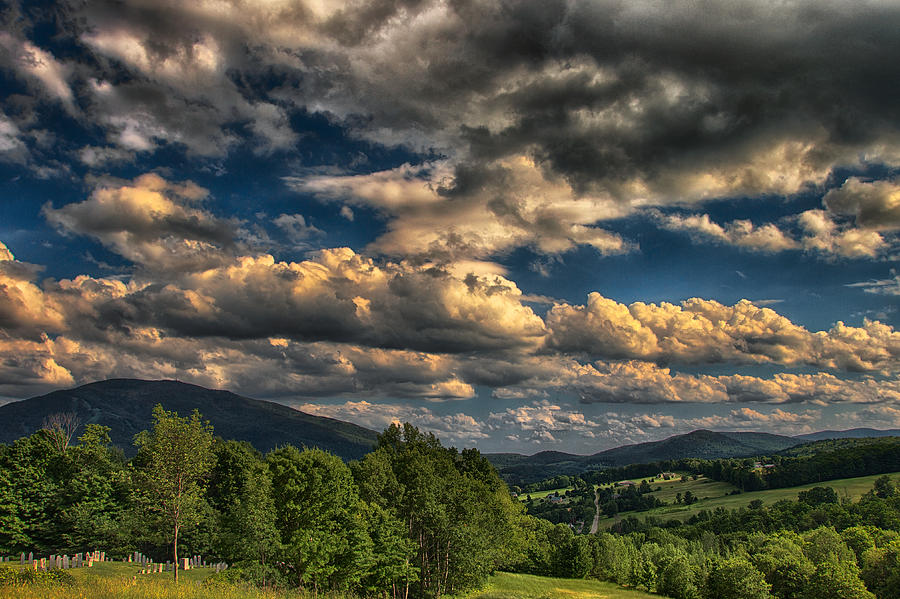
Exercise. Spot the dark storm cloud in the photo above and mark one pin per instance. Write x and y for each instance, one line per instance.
(641, 101)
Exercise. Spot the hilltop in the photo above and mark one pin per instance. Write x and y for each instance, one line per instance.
(521, 469)
(125, 406)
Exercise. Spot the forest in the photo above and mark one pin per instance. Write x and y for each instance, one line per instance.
(416, 519)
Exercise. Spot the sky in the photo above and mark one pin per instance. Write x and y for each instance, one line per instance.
(523, 226)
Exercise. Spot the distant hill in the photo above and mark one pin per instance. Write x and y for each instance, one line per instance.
(521, 469)
(853, 433)
(125, 405)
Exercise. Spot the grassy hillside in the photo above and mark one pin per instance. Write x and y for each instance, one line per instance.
(701, 487)
(852, 488)
(524, 586)
(115, 580)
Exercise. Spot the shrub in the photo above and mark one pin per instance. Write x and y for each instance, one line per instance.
(13, 576)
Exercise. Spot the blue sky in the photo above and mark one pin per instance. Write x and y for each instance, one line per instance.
(524, 226)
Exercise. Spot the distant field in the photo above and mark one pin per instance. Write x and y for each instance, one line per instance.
(702, 487)
(852, 488)
(540, 494)
(524, 586)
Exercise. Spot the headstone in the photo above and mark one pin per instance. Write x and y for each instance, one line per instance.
(22, 559)
(30, 557)
(185, 563)
(65, 562)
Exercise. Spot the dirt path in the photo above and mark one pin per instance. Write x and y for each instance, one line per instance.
(596, 523)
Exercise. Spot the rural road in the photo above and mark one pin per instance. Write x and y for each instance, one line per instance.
(596, 523)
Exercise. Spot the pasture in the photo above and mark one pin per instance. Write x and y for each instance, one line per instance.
(524, 586)
(849, 488)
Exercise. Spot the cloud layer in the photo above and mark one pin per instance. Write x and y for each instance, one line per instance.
(458, 143)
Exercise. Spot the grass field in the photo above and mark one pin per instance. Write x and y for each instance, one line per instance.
(109, 580)
(117, 581)
(852, 488)
(523, 586)
(539, 494)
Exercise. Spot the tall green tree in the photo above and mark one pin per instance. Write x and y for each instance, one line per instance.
(240, 492)
(174, 460)
(320, 518)
(453, 505)
(736, 578)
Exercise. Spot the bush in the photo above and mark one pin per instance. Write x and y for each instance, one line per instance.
(249, 573)
(13, 576)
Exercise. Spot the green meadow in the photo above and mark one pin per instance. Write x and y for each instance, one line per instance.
(115, 580)
(541, 494)
(713, 494)
(524, 586)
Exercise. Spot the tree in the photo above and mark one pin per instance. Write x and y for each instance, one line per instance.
(884, 487)
(881, 570)
(736, 578)
(61, 427)
(784, 565)
(174, 460)
(240, 491)
(453, 505)
(320, 518)
(818, 496)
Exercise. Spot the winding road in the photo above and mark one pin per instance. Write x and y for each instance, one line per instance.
(596, 523)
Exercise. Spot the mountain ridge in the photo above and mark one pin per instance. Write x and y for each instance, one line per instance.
(125, 405)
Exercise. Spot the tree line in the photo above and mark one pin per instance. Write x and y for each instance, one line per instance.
(813, 547)
(416, 519)
(411, 519)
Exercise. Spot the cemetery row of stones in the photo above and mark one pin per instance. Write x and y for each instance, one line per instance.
(86, 560)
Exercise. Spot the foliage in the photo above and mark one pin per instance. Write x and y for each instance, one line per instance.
(415, 519)
(174, 459)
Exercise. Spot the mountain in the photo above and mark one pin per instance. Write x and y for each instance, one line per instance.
(853, 433)
(521, 469)
(125, 405)
(697, 444)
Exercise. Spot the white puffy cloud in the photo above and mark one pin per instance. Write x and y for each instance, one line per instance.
(438, 213)
(705, 331)
(543, 422)
(741, 233)
(823, 234)
(24, 308)
(154, 223)
(747, 419)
